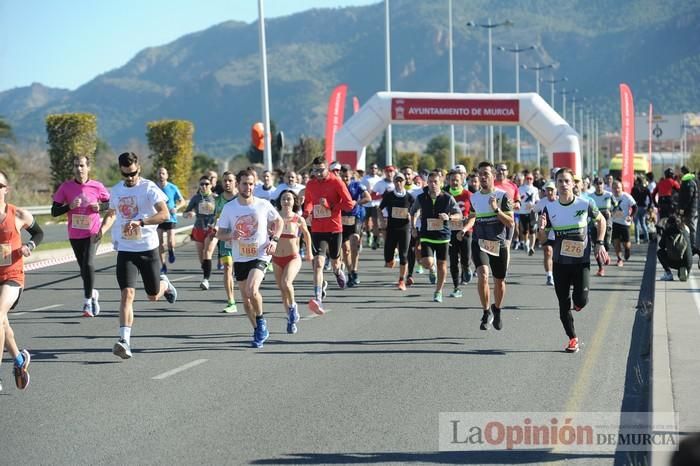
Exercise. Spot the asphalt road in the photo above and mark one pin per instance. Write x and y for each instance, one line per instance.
(364, 384)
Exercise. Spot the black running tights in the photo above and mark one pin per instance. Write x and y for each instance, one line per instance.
(566, 276)
(85, 249)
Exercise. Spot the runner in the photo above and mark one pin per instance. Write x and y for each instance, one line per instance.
(623, 210)
(460, 244)
(436, 209)
(245, 222)
(326, 197)
(381, 187)
(603, 201)
(503, 183)
(286, 259)
(291, 184)
(266, 190)
(665, 189)
(352, 221)
(529, 195)
(175, 202)
(82, 199)
(225, 254)
(12, 221)
(550, 190)
(568, 218)
(398, 230)
(137, 206)
(202, 207)
(371, 218)
(491, 215)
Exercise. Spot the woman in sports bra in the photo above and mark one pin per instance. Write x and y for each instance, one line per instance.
(286, 259)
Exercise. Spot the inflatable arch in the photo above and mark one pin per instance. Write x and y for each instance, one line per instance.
(528, 110)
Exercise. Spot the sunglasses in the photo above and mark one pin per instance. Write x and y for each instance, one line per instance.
(3, 186)
(130, 175)
(317, 170)
(205, 184)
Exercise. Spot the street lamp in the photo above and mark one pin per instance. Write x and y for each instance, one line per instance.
(537, 68)
(551, 83)
(517, 51)
(489, 26)
(564, 93)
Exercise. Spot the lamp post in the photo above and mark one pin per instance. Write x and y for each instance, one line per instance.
(517, 51)
(452, 127)
(551, 83)
(387, 42)
(267, 155)
(489, 27)
(537, 68)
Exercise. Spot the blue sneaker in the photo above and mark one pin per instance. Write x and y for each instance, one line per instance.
(21, 372)
(432, 276)
(170, 291)
(292, 318)
(260, 334)
(171, 256)
(163, 269)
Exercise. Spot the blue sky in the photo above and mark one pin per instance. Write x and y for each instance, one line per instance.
(66, 43)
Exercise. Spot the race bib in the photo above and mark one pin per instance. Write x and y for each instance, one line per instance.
(6, 254)
(490, 247)
(456, 224)
(321, 212)
(435, 224)
(247, 249)
(80, 222)
(399, 212)
(131, 234)
(348, 220)
(571, 248)
(206, 208)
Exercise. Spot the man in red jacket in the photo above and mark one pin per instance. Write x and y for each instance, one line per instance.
(325, 198)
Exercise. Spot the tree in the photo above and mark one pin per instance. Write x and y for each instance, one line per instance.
(304, 152)
(171, 147)
(8, 161)
(410, 159)
(70, 135)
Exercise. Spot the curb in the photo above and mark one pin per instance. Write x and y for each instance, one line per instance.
(661, 386)
(63, 256)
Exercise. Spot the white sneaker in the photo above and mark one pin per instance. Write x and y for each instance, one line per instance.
(95, 302)
(204, 284)
(666, 277)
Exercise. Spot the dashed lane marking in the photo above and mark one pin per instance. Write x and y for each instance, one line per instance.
(177, 370)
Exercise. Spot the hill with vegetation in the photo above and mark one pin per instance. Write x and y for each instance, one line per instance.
(212, 77)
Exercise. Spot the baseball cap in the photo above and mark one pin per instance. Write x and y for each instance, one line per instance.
(389, 168)
(334, 166)
(459, 168)
(577, 178)
(550, 185)
(399, 175)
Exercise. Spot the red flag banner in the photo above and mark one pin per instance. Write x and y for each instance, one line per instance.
(627, 134)
(334, 118)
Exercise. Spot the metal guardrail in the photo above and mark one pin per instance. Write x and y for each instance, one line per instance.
(39, 209)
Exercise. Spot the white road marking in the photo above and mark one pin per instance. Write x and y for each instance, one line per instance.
(178, 279)
(696, 295)
(46, 307)
(184, 367)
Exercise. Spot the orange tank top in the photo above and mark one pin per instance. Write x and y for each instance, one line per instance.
(11, 259)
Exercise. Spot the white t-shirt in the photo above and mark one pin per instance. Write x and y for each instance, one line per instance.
(296, 189)
(135, 203)
(529, 195)
(621, 208)
(368, 181)
(262, 193)
(251, 222)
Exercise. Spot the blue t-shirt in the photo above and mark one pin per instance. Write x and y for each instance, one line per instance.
(356, 189)
(173, 194)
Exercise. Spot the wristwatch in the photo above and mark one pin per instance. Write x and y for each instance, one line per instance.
(141, 223)
(275, 239)
(599, 242)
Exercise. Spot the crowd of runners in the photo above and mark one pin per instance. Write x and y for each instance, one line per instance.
(246, 226)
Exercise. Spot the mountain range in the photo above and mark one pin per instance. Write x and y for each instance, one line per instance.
(212, 77)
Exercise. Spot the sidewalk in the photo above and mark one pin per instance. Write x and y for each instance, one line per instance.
(675, 363)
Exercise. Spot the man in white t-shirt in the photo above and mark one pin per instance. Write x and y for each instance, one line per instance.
(136, 207)
(529, 195)
(266, 190)
(382, 186)
(244, 223)
(371, 218)
(622, 212)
